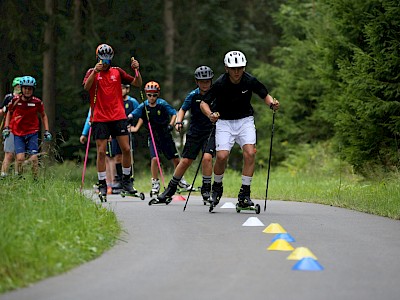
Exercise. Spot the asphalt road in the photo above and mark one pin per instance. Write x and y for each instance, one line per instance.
(166, 253)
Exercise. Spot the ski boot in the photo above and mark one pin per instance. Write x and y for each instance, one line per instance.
(102, 190)
(205, 192)
(165, 197)
(155, 187)
(217, 190)
(128, 189)
(244, 201)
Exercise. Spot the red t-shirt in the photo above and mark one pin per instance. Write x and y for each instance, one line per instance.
(109, 104)
(24, 115)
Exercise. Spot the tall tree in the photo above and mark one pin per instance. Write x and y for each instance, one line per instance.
(169, 48)
(49, 63)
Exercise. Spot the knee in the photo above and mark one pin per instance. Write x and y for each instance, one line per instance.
(223, 156)
(249, 155)
(101, 154)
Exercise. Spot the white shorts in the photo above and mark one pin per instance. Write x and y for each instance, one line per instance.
(241, 131)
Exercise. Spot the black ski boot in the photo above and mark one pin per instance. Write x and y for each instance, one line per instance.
(244, 201)
(217, 190)
(205, 192)
(127, 186)
(102, 190)
(166, 196)
(244, 197)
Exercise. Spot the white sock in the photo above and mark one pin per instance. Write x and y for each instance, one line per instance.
(126, 171)
(246, 180)
(101, 175)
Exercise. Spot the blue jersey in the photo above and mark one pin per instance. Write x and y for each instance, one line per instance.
(159, 115)
(199, 123)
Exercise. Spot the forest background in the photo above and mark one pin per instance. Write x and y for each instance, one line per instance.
(333, 64)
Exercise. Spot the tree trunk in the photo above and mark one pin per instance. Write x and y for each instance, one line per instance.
(49, 65)
(77, 43)
(169, 50)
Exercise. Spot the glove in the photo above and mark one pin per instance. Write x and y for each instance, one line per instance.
(47, 136)
(170, 128)
(5, 109)
(130, 120)
(6, 132)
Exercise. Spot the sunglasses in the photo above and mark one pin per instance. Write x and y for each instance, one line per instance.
(152, 95)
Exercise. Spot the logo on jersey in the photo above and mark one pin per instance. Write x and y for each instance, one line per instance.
(243, 92)
(31, 104)
(113, 78)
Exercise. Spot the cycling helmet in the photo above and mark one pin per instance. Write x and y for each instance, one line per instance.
(203, 72)
(152, 86)
(16, 81)
(104, 51)
(27, 81)
(234, 59)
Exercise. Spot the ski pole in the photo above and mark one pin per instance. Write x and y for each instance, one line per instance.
(90, 131)
(86, 157)
(269, 160)
(132, 161)
(153, 141)
(198, 167)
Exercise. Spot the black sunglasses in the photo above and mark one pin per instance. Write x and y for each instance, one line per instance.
(152, 95)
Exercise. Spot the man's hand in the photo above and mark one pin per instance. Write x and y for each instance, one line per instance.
(274, 105)
(214, 116)
(83, 139)
(134, 64)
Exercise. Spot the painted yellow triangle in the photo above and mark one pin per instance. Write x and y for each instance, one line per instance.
(281, 245)
(300, 253)
(274, 228)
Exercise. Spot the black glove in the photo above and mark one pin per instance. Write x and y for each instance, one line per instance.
(170, 128)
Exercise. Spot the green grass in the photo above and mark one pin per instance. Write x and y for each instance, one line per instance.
(47, 228)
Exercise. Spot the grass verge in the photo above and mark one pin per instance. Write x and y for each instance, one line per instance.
(48, 227)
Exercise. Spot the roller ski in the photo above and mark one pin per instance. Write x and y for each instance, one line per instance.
(155, 187)
(116, 188)
(128, 189)
(165, 197)
(102, 190)
(217, 190)
(244, 201)
(205, 193)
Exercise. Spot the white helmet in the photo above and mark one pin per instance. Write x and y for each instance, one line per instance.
(235, 59)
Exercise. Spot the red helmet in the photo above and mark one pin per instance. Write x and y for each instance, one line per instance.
(152, 86)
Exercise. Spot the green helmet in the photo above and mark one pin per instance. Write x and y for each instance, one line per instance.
(16, 81)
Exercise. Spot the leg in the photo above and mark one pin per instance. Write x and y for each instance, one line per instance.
(35, 165)
(8, 158)
(20, 158)
(127, 184)
(249, 160)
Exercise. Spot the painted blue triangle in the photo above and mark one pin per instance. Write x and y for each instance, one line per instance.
(283, 236)
(307, 264)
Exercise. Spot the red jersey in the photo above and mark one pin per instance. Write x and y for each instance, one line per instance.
(24, 115)
(109, 104)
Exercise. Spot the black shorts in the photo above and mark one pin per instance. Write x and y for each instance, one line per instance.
(103, 130)
(165, 145)
(195, 144)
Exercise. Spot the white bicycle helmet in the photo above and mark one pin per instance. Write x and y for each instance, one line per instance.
(234, 59)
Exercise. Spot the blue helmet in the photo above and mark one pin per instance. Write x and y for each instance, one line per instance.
(27, 81)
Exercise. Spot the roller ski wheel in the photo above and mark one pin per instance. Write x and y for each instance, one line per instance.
(103, 198)
(156, 201)
(137, 194)
(255, 208)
